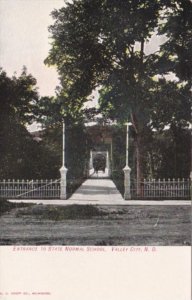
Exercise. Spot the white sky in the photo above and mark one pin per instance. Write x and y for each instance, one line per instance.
(24, 39)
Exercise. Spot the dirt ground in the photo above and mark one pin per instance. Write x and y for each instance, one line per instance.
(128, 225)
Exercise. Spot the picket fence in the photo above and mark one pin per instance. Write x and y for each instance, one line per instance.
(30, 189)
(50, 189)
(162, 189)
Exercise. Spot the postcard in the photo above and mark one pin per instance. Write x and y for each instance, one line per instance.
(95, 149)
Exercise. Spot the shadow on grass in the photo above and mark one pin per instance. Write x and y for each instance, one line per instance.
(6, 206)
(58, 213)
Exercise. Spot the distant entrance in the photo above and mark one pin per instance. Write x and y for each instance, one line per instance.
(99, 164)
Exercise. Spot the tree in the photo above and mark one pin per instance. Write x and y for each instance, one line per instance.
(18, 98)
(102, 43)
(175, 57)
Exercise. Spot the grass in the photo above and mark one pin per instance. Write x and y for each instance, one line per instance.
(58, 213)
(6, 206)
(96, 225)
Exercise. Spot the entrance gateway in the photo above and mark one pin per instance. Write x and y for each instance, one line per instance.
(99, 161)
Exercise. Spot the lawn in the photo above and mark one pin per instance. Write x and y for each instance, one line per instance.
(95, 225)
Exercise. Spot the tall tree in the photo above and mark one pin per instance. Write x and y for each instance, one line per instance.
(175, 57)
(102, 43)
(18, 98)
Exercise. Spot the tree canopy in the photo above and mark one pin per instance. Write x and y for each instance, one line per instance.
(21, 156)
(18, 96)
(95, 40)
(176, 51)
(101, 43)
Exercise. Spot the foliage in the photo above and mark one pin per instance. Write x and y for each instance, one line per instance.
(176, 55)
(76, 152)
(51, 111)
(171, 105)
(88, 47)
(169, 154)
(18, 98)
(22, 157)
(166, 154)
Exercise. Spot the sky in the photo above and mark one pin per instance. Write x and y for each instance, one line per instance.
(25, 40)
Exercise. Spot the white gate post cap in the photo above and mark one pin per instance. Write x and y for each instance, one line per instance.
(63, 169)
(127, 168)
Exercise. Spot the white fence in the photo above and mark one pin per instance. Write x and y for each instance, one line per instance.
(30, 189)
(50, 189)
(162, 189)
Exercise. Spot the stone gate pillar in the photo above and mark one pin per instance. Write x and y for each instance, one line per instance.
(127, 183)
(108, 164)
(91, 160)
(63, 184)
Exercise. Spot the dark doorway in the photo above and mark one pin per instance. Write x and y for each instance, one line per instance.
(99, 162)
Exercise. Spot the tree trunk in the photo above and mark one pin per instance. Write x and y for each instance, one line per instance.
(139, 163)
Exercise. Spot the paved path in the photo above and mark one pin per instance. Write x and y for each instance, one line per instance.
(99, 174)
(96, 190)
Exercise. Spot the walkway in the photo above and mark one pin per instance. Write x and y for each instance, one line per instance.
(96, 190)
(99, 174)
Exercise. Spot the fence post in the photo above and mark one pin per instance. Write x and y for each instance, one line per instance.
(108, 164)
(91, 160)
(63, 184)
(127, 193)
